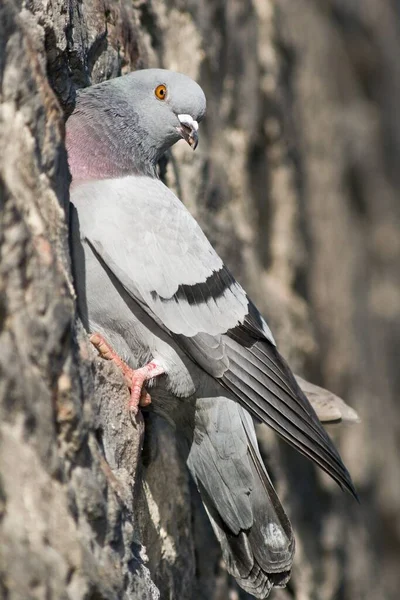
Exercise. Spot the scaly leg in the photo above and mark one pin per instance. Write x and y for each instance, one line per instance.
(135, 378)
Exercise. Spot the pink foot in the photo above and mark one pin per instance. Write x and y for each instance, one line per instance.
(135, 378)
(139, 396)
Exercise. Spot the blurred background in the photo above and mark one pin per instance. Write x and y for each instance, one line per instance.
(296, 182)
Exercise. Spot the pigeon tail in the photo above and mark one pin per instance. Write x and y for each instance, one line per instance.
(254, 532)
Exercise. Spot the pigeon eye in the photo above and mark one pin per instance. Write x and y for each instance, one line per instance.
(161, 91)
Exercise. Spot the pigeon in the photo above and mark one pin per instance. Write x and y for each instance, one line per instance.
(158, 300)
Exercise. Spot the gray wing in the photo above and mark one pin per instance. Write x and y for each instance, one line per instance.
(245, 512)
(151, 243)
(260, 378)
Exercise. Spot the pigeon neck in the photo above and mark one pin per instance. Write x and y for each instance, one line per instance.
(97, 151)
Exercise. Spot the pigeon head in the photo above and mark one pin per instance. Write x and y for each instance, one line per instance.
(123, 126)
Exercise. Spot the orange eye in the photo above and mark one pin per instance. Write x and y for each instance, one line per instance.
(161, 91)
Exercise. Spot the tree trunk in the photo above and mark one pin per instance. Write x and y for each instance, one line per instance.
(296, 184)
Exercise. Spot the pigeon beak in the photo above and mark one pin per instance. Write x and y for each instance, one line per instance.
(188, 130)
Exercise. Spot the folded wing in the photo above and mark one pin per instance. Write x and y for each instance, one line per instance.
(151, 243)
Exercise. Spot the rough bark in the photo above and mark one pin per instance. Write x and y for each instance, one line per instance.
(295, 182)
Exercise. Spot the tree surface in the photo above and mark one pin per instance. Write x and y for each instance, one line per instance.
(296, 183)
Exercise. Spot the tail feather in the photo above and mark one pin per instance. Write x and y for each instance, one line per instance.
(254, 532)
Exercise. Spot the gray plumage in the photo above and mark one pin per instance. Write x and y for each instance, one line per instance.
(221, 447)
(149, 281)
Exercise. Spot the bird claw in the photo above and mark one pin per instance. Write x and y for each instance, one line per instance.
(133, 406)
(139, 394)
(135, 378)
